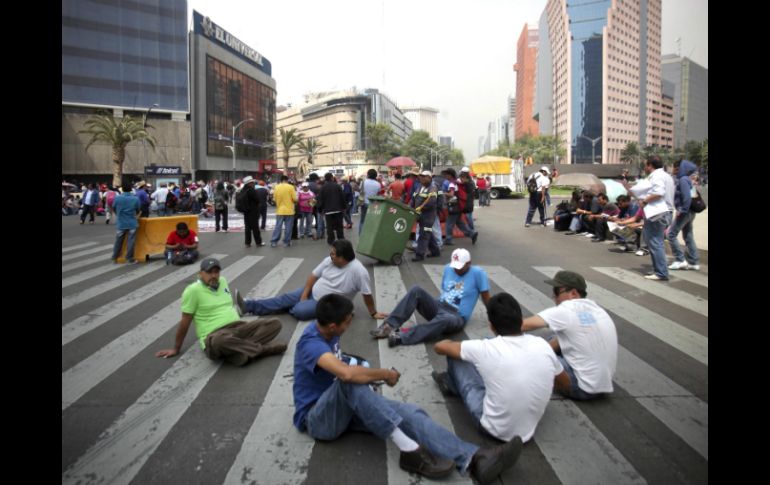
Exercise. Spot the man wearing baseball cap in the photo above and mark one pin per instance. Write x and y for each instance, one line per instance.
(424, 202)
(221, 333)
(461, 286)
(586, 341)
(537, 198)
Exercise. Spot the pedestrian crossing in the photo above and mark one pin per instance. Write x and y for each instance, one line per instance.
(573, 438)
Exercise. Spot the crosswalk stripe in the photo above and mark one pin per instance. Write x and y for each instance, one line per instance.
(415, 385)
(673, 405)
(274, 451)
(103, 314)
(666, 292)
(681, 338)
(565, 435)
(124, 448)
(88, 373)
(91, 273)
(78, 246)
(87, 262)
(105, 286)
(691, 276)
(652, 389)
(86, 252)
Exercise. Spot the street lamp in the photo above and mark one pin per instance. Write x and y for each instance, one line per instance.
(233, 146)
(144, 126)
(593, 146)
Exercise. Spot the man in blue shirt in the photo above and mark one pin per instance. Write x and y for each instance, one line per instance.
(126, 208)
(461, 286)
(90, 200)
(331, 397)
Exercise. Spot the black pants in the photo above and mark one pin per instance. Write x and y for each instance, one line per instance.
(263, 214)
(223, 214)
(334, 226)
(251, 221)
(426, 242)
(88, 210)
(535, 204)
(145, 211)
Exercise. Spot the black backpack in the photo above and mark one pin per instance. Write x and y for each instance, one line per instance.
(697, 204)
(532, 183)
(242, 200)
(171, 200)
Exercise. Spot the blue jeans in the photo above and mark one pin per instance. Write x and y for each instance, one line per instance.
(320, 224)
(356, 407)
(437, 232)
(451, 221)
(119, 236)
(683, 222)
(442, 317)
(162, 209)
(575, 224)
(288, 222)
(301, 310)
(305, 223)
(364, 208)
(575, 392)
(465, 381)
(469, 216)
(653, 234)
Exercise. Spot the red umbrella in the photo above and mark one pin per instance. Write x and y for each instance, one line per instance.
(400, 162)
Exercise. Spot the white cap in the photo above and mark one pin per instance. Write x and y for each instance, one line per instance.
(427, 173)
(465, 169)
(544, 169)
(305, 184)
(460, 256)
(248, 179)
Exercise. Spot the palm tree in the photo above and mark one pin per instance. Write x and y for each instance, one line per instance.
(103, 127)
(289, 139)
(308, 148)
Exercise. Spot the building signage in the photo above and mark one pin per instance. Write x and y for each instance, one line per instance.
(204, 26)
(162, 170)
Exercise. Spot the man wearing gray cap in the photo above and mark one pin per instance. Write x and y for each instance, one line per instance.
(221, 333)
(586, 341)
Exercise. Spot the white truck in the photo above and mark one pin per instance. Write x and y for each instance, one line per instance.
(507, 175)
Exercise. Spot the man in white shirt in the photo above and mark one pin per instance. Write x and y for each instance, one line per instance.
(341, 273)
(505, 381)
(537, 198)
(159, 196)
(586, 340)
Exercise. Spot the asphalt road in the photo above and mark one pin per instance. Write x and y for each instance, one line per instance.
(129, 417)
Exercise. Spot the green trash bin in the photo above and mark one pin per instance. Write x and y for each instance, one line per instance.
(386, 230)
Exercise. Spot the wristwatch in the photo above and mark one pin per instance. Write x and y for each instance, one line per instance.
(373, 313)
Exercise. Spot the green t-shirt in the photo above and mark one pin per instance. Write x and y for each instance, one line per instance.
(210, 309)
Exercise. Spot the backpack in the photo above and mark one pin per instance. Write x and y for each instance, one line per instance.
(204, 197)
(697, 204)
(532, 183)
(242, 201)
(171, 199)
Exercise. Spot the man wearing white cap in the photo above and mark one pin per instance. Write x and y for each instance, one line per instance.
(424, 202)
(461, 286)
(537, 198)
(251, 215)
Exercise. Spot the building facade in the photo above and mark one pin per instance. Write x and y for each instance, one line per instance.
(526, 69)
(338, 121)
(423, 118)
(691, 98)
(446, 141)
(125, 58)
(232, 88)
(606, 76)
(511, 119)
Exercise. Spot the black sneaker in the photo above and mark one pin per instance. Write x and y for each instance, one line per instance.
(383, 332)
(423, 462)
(441, 379)
(240, 305)
(436, 255)
(569, 233)
(488, 463)
(474, 237)
(418, 258)
(394, 340)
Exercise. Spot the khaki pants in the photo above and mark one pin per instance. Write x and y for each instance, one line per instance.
(241, 341)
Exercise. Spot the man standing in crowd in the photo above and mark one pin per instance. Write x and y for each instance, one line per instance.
(251, 215)
(424, 202)
(126, 208)
(683, 221)
(90, 201)
(285, 197)
(159, 196)
(537, 196)
(331, 203)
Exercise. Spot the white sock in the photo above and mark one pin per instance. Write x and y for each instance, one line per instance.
(403, 442)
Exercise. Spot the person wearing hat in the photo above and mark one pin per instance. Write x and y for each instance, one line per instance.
(505, 382)
(586, 341)
(461, 286)
(251, 216)
(144, 198)
(307, 201)
(221, 333)
(424, 202)
(537, 198)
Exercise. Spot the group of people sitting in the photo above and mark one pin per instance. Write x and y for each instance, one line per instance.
(505, 381)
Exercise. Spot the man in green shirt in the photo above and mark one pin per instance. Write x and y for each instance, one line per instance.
(221, 333)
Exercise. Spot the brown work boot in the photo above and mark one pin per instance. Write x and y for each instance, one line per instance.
(488, 463)
(423, 462)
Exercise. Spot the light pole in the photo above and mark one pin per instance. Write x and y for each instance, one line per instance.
(593, 146)
(144, 127)
(235, 127)
(439, 152)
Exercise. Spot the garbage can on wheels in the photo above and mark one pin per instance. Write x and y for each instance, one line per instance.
(386, 230)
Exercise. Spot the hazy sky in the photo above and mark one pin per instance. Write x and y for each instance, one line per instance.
(455, 56)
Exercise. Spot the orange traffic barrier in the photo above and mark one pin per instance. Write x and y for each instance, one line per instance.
(152, 234)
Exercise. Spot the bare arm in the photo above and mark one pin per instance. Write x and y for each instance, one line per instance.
(308, 287)
(532, 323)
(449, 348)
(485, 297)
(355, 374)
(181, 333)
(373, 308)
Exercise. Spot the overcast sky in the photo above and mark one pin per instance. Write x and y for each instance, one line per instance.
(454, 55)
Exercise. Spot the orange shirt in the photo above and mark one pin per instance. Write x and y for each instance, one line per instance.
(397, 190)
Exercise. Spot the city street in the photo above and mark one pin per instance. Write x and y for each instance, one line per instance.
(129, 417)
